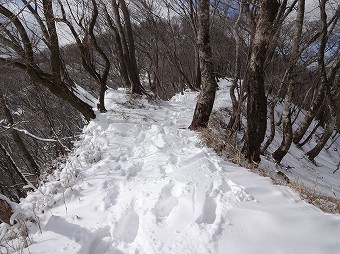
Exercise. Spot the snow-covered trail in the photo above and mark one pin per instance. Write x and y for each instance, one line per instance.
(147, 186)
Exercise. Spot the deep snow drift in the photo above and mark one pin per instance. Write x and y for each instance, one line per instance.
(140, 182)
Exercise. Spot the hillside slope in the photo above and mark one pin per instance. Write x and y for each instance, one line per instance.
(140, 182)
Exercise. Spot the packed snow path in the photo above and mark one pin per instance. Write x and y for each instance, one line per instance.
(145, 185)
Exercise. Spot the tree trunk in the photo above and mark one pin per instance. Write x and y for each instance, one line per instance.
(272, 126)
(235, 119)
(308, 119)
(206, 97)
(5, 210)
(254, 81)
(14, 166)
(128, 47)
(119, 47)
(327, 83)
(286, 113)
(323, 140)
(62, 88)
(18, 140)
(198, 74)
(308, 138)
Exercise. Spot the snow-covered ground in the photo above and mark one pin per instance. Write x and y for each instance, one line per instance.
(140, 182)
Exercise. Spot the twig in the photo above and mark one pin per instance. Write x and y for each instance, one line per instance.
(337, 168)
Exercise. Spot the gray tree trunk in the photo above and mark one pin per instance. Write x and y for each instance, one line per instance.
(127, 43)
(327, 83)
(308, 119)
(286, 113)
(254, 81)
(206, 97)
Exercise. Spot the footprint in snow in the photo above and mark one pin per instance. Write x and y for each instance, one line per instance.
(111, 195)
(217, 188)
(167, 201)
(208, 214)
(126, 229)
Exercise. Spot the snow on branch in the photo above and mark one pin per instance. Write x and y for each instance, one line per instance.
(34, 136)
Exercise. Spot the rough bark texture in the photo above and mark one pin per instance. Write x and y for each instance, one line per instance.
(5, 211)
(207, 94)
(286, 113)
(256, 98)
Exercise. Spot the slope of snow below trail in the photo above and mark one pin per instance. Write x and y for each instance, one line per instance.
(145, 185)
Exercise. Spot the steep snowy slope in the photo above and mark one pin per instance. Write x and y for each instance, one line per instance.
(140, 182)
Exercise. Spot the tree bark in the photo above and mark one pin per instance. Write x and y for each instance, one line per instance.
(286, 113)
(58, 81)
(18, 140)
(254, 81)
(206, 97)
(327, 83)
(323, 140)
(128, 47)
(14, 166)
(272, 126)
(5, 211)
(308, 119)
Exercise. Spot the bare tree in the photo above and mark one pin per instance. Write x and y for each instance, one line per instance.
(206, 97)
(331, 90)
(291, 72)
(127, 44)
(94, 59)
(320, 97)
(15, 38)
(187, 10)
(254, 81)
(18, 140)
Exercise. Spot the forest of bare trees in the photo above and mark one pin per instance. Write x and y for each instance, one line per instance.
(276, 52)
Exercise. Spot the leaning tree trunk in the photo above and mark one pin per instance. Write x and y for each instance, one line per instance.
(287, 139)
(14, 167)
(18, 140)
(206, 97)
(254, 81)
(323, 140)
(308, 119)
(309, 137)
(57, 81)
(327, 83)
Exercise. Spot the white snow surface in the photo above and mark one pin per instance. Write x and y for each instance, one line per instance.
(140, 182)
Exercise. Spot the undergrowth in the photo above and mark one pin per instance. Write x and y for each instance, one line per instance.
(229, 146)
